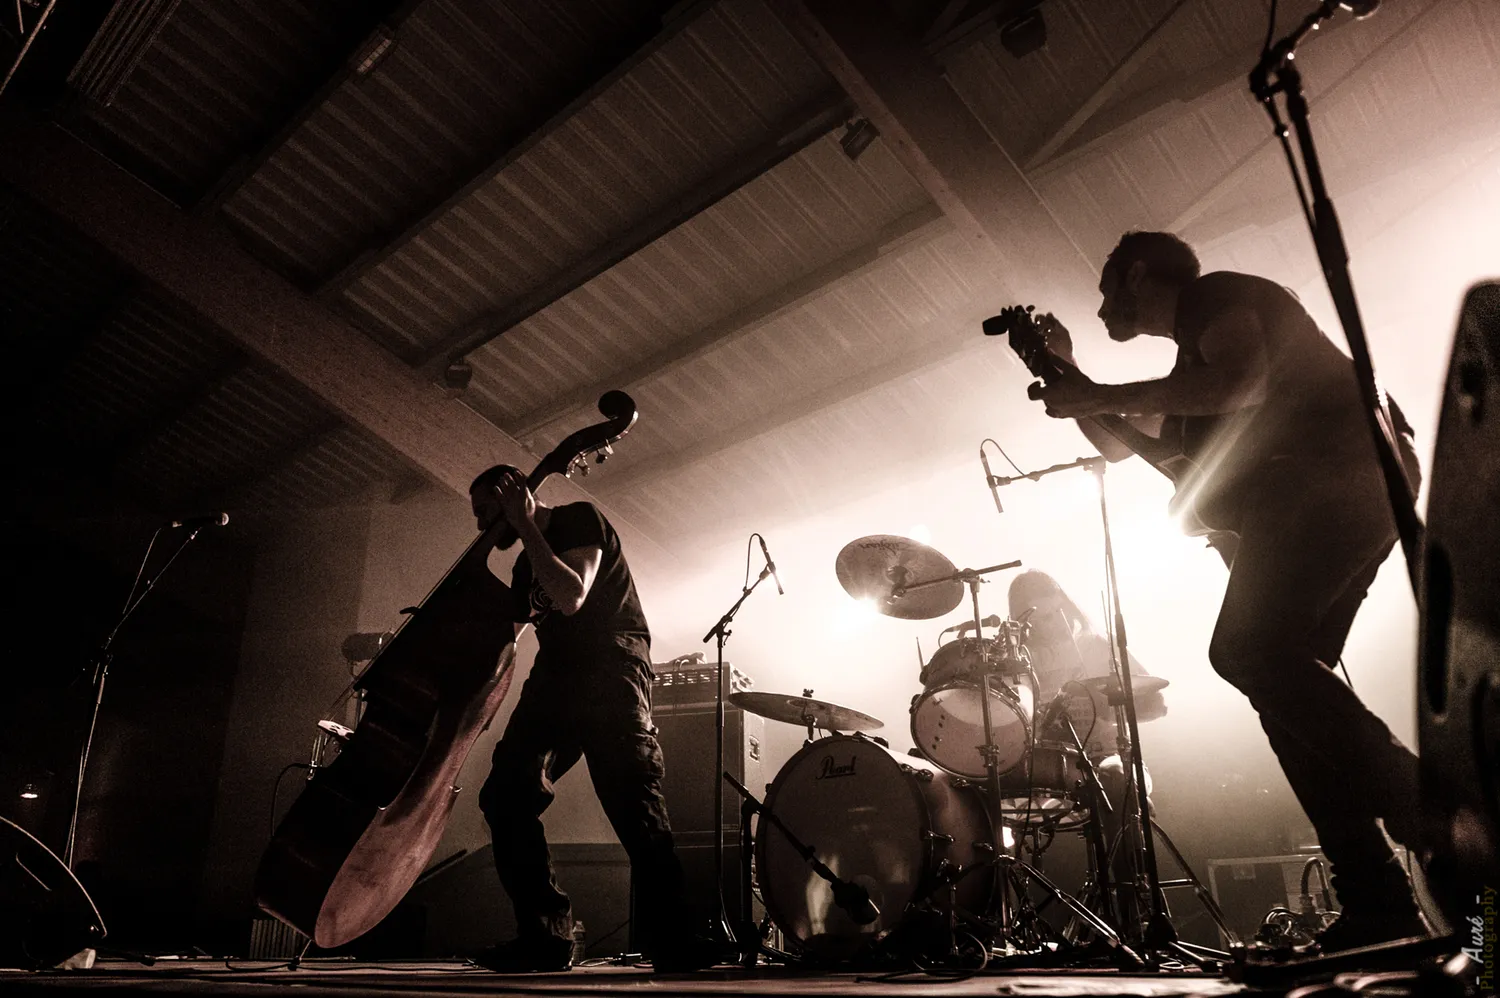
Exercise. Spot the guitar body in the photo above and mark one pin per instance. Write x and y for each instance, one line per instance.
(366, 825)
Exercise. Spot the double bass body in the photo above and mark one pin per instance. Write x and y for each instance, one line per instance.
(364, 828)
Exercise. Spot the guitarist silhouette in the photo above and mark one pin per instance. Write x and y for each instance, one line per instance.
(1263, 431)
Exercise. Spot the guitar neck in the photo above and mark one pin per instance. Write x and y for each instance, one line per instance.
(1153, 449)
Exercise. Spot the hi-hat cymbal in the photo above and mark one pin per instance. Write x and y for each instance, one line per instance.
(1138, 684)
(874, 567)
(805, 711)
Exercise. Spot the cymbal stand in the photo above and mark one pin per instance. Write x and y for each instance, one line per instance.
(721, 631)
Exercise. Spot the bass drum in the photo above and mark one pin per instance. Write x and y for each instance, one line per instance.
(885, 821)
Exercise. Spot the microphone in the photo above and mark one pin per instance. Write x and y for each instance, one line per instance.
(770, 565)
(855, 900)
(206, 520)
(990, 478)
(993, 620)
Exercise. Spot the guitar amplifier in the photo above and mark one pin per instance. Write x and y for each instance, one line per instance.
(687, 679)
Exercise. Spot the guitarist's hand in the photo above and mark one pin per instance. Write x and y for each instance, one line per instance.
(1059, 340)
(1070, 395)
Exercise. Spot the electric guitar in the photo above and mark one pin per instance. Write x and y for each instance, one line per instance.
(1165, 453)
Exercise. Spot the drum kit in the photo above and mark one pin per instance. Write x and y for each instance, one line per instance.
(876, 854)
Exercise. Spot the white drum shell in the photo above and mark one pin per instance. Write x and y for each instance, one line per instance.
(947, 724)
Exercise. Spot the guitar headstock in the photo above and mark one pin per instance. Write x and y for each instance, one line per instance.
(573, 452)
(1026, 337)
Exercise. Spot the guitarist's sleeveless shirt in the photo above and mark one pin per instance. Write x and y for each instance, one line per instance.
(1312, 418)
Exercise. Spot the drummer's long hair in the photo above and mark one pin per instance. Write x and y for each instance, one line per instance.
(1043, 583)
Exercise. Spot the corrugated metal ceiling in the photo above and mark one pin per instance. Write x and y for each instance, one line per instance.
(462, 78)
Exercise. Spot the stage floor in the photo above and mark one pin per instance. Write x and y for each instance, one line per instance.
(322, 977)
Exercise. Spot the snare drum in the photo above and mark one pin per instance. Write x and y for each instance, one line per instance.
(1044, 789)
(888, 822)
(947, 724)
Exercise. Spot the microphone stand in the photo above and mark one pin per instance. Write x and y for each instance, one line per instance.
(721, 631)
(847, 894)
(100, 665)
(1155, 930)
(1333, 256)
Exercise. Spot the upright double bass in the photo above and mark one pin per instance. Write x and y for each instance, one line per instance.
(364, 828)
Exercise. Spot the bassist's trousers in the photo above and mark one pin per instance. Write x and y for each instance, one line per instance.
(597, 709)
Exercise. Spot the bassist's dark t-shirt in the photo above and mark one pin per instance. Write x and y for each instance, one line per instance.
(611, 619)
(1312, 417)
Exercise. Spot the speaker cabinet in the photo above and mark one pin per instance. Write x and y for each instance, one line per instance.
(45, 914)
(686, 732)
(1459, 675)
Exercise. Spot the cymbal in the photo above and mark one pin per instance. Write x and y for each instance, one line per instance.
(874, 567)
(804, 711)
(1139, 684)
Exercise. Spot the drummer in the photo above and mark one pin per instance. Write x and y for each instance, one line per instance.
(1064, 647)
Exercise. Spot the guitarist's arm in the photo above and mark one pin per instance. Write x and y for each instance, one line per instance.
(1060, 345)
(1231, 376)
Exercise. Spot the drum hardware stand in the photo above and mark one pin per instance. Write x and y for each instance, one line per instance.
(1006, 866)
(105, 655)
(1098, 802)
(721, 631)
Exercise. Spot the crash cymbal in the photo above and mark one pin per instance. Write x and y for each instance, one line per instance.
(874, 567)
(805, 712)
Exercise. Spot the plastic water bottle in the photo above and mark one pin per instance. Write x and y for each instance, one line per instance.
(579, 939)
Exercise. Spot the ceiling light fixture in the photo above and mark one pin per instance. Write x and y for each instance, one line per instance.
(858, 134)
(1024, 35)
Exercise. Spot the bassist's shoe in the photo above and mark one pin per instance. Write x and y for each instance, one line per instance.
(534, 955)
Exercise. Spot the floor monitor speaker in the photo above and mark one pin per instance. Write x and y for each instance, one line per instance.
(1459, 673)
(45, 914)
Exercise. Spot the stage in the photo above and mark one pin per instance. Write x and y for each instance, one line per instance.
(317, 977)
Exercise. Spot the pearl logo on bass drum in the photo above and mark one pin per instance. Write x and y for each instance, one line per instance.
(832, 770)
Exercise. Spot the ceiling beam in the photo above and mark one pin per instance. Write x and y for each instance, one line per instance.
(130, 441)
(916, 228)
(1136, 114)
(233, 493)
(799, 130)
(1250, 164)
(195, 261)
(622, 52)
(1146, 48)
(337, 63)
(941, 143)
(938, 345)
